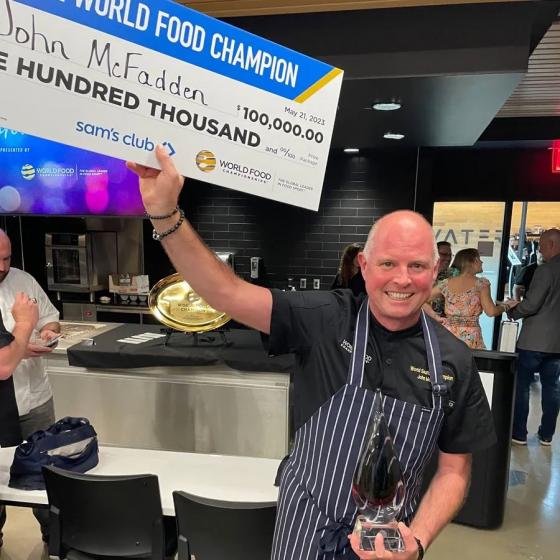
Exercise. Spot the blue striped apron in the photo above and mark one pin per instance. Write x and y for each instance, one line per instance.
(316, 511)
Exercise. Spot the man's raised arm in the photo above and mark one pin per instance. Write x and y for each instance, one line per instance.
(202, 269)
(14, 346)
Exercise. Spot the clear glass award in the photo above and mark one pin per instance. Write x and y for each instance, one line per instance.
(378, 486)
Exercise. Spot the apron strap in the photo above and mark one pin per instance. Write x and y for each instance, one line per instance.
(440, 390)
(356, 367)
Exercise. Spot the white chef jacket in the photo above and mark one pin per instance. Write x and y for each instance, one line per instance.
(30, 379)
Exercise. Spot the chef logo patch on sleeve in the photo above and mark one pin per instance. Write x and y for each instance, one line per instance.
(348, 347)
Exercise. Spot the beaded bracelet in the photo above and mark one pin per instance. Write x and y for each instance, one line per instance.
(421, 550)
(163, 216)
(159, 236)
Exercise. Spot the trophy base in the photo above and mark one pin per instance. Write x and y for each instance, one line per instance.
(368, 530)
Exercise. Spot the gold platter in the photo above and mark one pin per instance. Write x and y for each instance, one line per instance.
(175, 304)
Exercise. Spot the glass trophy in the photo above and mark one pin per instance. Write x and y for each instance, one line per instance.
(378, 486)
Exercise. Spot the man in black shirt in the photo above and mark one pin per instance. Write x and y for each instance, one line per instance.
(430, 390)
(319, 327)
(523, 280)
(13, 347)
(445, 255)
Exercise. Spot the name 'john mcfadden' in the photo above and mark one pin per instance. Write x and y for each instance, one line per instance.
(127, 67)
(33, 39)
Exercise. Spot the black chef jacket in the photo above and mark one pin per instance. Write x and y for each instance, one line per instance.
(319, 328)
(10, 431)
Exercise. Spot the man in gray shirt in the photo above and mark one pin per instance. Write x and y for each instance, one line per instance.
(539, 343)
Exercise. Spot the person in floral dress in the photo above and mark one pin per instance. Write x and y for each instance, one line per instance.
(466, 296)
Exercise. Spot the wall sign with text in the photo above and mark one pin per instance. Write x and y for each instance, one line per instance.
(119, 77)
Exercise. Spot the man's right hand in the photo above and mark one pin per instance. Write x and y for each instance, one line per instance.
(207, 275)
(409, 553)
(36, 350)
(159, 189)
(25, 311)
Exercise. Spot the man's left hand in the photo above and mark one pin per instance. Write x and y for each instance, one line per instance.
(36, 349)
(429, 311)
(409, 553)
(510, 304)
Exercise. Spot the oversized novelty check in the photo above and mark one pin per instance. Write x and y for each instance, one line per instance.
(119, 76)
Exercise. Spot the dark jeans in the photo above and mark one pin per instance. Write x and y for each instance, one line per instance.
(548, 366)
(39, 418)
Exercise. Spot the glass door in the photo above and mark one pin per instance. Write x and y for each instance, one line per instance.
(67, 267)
(528, 221)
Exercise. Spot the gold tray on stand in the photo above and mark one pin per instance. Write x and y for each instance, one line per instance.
(175, 304)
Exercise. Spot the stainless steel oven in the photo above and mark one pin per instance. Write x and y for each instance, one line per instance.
(79, 262)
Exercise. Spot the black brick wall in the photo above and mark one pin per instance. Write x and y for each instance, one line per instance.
(300, 243)
(295, 242)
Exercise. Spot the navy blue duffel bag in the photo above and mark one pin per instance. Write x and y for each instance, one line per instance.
(70, 443)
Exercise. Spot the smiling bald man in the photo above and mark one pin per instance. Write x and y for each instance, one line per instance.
(350, 350)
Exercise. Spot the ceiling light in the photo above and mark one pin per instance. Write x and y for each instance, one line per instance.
(391, 106)
(351, 150)
(393, 136)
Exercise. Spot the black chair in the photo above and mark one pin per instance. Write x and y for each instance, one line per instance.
(210, 532)
(103, 517)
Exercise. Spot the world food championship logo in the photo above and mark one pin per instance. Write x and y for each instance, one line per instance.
(28, 172)
(206, 161)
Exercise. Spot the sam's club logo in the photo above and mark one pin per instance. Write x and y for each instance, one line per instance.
(206, 161)
(28, 172)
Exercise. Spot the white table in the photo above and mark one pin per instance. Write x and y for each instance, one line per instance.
(216, 479)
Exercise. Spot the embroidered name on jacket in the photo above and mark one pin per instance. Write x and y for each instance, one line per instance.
(424, 375)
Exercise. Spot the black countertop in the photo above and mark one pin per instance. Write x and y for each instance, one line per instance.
(244, 350)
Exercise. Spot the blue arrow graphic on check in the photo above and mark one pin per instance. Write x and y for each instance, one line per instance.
(170, 148)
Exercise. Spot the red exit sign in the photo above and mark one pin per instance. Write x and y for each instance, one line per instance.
(556, 156)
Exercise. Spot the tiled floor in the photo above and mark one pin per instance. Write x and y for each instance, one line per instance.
(22, 537)
(531, 529)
